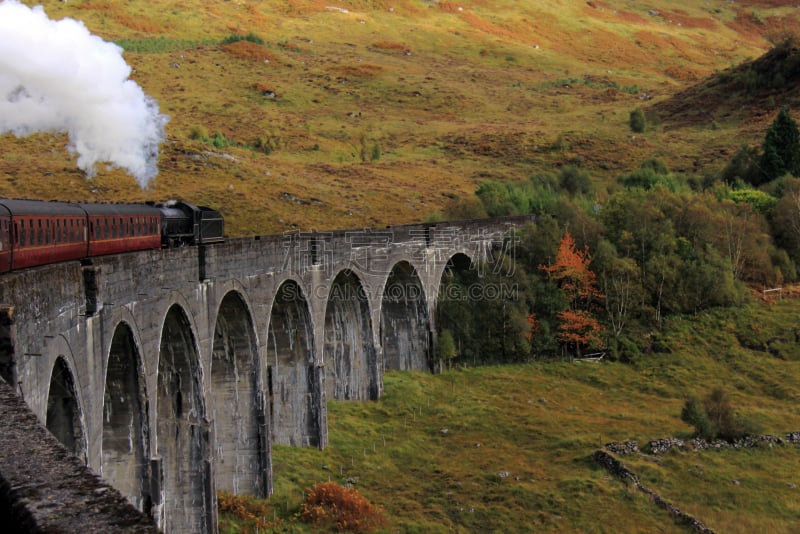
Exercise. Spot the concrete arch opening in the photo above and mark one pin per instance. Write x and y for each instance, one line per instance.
(237, 408)
(455, 308)
(125, 429)
(405, 325)
(182, 431)
(351, 371)
(63, 410)
(291, 373)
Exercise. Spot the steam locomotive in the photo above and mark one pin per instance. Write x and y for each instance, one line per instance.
(34, 232)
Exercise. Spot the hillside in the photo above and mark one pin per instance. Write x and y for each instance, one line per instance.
(366, 113)
(509, 448)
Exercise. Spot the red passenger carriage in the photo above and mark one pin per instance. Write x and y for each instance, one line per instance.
(115, 228)
(33, 232)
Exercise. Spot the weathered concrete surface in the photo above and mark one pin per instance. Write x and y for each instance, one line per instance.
(171, 372)
(44, 488)
(349, 353)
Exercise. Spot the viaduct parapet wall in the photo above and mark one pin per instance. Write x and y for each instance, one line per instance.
(171, 373)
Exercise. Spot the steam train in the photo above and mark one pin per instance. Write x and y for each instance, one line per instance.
(34, 232)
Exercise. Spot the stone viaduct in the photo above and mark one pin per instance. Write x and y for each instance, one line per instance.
(171, 372)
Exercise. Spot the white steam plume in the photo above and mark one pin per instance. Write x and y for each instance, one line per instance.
(55, 76)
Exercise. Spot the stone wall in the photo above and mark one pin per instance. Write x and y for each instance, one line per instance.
(44, 488)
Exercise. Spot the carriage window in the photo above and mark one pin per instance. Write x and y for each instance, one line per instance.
(39, 233)
(31, 233)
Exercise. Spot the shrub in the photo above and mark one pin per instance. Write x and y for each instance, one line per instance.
(574, 181)
(762, 202)
(198, 133)
(244, 513)
(714, 418)
(329, 505)
(251, 37)
(638, 121)
(375, 153)
(655, 165)
(695, 414)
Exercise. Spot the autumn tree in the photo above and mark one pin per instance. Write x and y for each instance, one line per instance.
(577, 326)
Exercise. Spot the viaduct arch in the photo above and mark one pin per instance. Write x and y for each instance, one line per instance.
(172, 372)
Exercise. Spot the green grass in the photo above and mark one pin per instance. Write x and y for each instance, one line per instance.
(435, 449)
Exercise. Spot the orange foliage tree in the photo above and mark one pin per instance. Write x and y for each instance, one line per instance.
(577, 326)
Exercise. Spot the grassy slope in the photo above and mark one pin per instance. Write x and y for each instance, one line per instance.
(451, 93)
(541, 422)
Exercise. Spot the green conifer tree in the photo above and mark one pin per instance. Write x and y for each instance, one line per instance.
(781, 148)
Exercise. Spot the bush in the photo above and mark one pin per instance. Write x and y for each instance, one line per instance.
(638, 121)
(624, 350)
(695, 414)
(574, 181)
(329, 505)
(250, 37)
(198, 133)
(714, 418)
(243, 513)
(655, 165)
